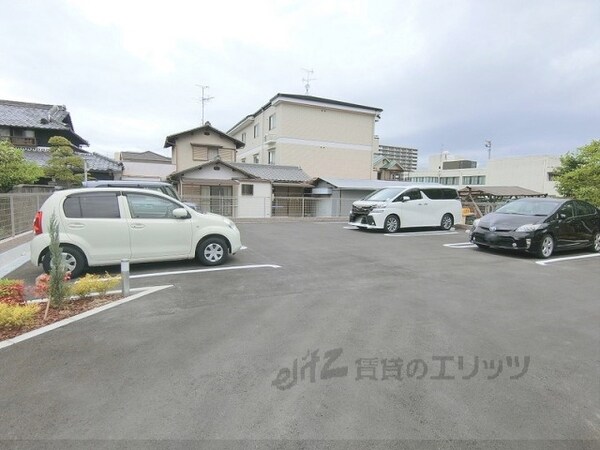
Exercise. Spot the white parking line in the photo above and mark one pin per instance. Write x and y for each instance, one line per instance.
(61, 323)
(421, 233)
(461, 245)
(212, 269)
(568, 258)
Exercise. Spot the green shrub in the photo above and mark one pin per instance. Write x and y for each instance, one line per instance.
(89, 284)
(17, 315)
(12, 292)
(58, 289)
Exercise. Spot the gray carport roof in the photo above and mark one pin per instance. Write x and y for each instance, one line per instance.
(500, 191)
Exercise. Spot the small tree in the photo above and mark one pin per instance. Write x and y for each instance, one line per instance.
(15, 169)
(58, 289)
(64, 166)
(579, 174)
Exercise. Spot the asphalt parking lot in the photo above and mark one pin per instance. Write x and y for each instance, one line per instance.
(317, 331)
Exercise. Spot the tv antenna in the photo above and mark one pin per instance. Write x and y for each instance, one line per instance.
(308, 79)
(204, 99)
(488, 145)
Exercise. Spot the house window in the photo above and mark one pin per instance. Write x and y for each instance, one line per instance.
(247, 189)
(476, 179)
(255, 159)
(256, 130)
(271, 156)
(213, 152)
(199, 153)
(425, 179)
(449, 180)
(271, 121)
(243, 137)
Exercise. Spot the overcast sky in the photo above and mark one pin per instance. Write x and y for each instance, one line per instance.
(447, 74)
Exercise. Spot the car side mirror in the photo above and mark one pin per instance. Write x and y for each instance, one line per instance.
(405, 198)
(180, 213)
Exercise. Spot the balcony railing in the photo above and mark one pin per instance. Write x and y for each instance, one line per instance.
(270, 138)
(19, 141)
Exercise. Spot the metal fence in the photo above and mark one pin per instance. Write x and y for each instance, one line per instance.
(484, 207)
(245, 207)
(17, 212)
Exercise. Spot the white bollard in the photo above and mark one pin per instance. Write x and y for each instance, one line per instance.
(125, 277)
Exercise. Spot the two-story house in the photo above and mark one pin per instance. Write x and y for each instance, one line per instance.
(195, 147)
(29, 126)
(325, 137)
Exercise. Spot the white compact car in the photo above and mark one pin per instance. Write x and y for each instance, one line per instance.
(409, 206)
(103, 226)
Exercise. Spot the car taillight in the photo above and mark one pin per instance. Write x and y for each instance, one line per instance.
(37, 223)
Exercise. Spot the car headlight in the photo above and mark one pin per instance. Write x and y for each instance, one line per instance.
(377, 210)
(529, 227)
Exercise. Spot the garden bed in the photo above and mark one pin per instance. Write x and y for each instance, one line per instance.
(70, 308)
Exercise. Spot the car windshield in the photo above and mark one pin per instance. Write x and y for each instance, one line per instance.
(529, 207)
(384, 195)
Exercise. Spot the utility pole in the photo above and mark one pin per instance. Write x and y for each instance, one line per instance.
(488, 145)
(205, 99)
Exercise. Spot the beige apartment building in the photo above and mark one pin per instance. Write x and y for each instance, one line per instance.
(322, 136)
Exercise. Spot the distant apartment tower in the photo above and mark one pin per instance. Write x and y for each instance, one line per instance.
(324, 137)
(407, 157)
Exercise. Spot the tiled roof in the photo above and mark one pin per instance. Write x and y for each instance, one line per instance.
(206, 128)
(144, 156)
(36, 116)
(272, 172)
(95, 162)
(33, 115)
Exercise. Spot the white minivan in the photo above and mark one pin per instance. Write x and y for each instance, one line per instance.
(392, 208)
(103, 226)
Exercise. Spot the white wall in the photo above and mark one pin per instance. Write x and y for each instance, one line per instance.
(257, 205)
(530, 172)
(146, 171)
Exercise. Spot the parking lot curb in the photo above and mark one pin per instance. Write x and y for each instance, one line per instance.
(91, 312)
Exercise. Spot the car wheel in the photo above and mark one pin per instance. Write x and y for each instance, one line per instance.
(596, 242)
(447, 222)
(392, 224)
(546, 247)
(212, 251)
(73, 259)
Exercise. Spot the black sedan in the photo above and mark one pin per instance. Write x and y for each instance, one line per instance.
(540, 226)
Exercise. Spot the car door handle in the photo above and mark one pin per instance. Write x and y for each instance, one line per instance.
(76, 226)
(138, 225)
